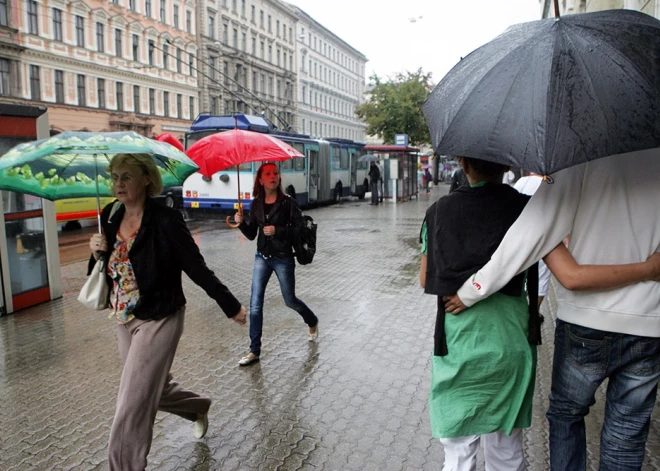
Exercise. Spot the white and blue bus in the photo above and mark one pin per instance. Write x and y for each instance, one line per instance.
(329, 171)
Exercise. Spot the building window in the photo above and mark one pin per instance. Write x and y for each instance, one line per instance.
(136, 98)
(147, 8)
(3, 13)
(136, 48)
(59, 86)
(263, 47)
(191, 64)
(100, 37)
(33, 22)
(254, 46)
(150, 52)
(261, 19)
(284, 31)
(270, 25)
(253, 14)
(166, 55)
(82, 100)
(176, 16)
(131, 5)
(304, 94)
(35, 83)
(214, 105)
(243, 8)
(57, 24)
(191, 107)
(188, 21)
(118, 45)
(233, 6)
(290, 61)
(254, 82)
(244, 42)
(211, 31)
(162, 11)
(152, 101)
(80, 31)
(270, 54)
(166, 104)
(212, 68)
(179, 60)
(278, 57)
(120, 96)
(225, 72)
(277, 28)
(100, 91)
(179, 106)
(235, 38)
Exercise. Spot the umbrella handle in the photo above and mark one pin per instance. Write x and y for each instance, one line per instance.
(234, 225)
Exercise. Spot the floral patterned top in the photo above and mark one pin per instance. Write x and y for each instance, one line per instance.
(125, 293)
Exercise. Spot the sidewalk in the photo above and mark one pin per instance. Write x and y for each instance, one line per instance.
(354, 400)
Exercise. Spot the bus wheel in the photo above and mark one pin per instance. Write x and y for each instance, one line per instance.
(291, 191)
(338, 192)
(169, 201)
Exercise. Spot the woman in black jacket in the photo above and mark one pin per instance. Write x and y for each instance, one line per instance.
(150, 246)
(274, 217)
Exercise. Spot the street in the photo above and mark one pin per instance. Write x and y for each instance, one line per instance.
(354, 400)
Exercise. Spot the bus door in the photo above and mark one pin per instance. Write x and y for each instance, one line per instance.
(313, 174)
(353, 165)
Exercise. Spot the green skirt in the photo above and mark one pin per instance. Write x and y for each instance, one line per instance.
(486, 381)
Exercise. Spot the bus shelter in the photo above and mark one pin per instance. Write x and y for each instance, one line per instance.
(398, 171)
(29, 252)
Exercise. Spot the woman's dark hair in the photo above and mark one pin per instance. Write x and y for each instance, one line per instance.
(484, 167)
(258, 189)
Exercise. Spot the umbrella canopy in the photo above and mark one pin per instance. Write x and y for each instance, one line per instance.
(549, 94)
(171, 140)
(226, 149)
(426, 166)
(73, 164)
(368, 158)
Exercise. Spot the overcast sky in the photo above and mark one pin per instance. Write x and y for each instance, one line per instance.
(431, 34)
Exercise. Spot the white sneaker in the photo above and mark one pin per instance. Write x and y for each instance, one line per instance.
(201, 426)
(311, 337)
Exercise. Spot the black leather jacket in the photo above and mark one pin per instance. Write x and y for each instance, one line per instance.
(162, 249)
(285, 215)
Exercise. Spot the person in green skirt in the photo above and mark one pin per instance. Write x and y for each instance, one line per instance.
(484, 364)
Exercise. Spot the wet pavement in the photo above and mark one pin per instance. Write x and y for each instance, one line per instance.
(354, 400)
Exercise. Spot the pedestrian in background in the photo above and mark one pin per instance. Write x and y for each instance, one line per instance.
(148, 246)
(374, 177)
(273, 220)
(429, 178)
(609, 207)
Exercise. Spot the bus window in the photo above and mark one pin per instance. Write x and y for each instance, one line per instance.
(299, 164)
(313, 154)
(286, 165)
(299, 146)
(246, 167)
(334, 159)
(344, 158)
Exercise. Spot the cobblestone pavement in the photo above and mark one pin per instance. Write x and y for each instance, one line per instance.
(355, 400)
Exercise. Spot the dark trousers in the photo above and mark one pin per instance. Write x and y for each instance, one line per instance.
(374, 192)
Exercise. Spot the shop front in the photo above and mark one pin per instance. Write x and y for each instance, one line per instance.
(29, 252)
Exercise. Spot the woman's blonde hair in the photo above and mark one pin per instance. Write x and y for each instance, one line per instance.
(144, 162)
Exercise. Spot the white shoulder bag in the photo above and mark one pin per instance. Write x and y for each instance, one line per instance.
(94, 293)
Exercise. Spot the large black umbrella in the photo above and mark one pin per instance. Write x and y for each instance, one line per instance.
(553, 93)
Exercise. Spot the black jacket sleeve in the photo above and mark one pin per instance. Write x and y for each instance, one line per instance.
(250, 226)
(193, 264)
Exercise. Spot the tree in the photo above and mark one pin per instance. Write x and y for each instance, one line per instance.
(394, 107)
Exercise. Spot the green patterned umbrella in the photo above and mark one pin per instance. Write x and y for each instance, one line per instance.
(73, 164)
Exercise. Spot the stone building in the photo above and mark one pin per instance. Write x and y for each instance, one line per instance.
(650, 7)
(102, 65)
(248, 56)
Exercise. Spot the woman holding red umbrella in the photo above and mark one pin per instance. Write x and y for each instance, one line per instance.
(273, 219)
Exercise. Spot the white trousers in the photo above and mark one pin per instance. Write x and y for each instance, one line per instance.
(502, 452)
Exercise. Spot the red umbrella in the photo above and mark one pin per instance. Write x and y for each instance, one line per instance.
(171, 140)
(227, 149)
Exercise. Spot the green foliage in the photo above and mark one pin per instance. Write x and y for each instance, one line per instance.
(394, 107)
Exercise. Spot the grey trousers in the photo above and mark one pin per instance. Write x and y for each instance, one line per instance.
(147, 350)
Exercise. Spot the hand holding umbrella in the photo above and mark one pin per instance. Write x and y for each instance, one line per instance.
(228, 149)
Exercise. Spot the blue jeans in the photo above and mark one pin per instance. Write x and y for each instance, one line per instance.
(284, 268)
(583, 358)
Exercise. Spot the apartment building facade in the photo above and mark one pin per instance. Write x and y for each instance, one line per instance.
(331, 82)
(566, 7)
(248, 56)
(102, 65)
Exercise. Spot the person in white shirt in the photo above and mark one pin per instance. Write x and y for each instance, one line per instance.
(609, 207)
(528, 186)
